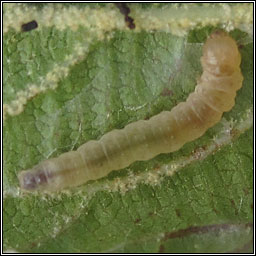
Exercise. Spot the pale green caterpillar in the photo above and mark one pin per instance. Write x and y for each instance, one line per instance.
(142, 140)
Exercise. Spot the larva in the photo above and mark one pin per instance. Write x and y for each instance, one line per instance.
(142, 140)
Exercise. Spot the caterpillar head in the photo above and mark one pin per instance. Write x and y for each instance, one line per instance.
(37, 178)
(32, 180)
(220, 54)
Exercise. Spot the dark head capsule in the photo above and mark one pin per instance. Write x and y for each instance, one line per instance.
(32, 180)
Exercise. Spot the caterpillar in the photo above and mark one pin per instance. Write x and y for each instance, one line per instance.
(144, 139)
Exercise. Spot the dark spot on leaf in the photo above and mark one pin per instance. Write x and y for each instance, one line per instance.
(151, 214)
(161, 249)
(215, 210)
(234, 133)
(178, 212)
(240, 46)
(246, 191)
(125, 10)
(129, 22)
(156, 167)
(204, 147)
(32, 245)
(166, 92)
(29, 26)
(137, 220)
(234, 206)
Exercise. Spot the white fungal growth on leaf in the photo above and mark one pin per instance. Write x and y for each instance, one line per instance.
(163, 133)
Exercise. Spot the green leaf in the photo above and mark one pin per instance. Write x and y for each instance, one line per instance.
(82, 73)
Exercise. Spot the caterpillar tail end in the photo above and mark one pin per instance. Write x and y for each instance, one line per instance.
(30, 180)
